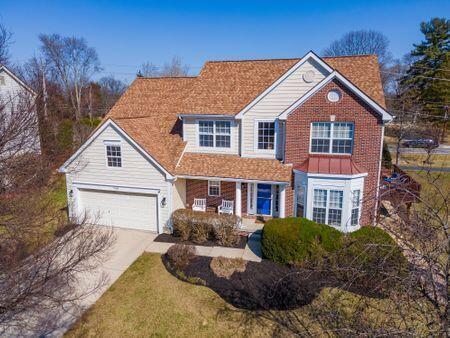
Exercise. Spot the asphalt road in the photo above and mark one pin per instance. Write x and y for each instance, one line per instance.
(441, 150)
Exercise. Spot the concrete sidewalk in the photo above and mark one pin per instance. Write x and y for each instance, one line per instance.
(252, 251)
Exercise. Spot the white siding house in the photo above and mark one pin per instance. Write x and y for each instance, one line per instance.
(138, 188)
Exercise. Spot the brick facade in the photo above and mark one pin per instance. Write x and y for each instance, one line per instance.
(199, 189)
(366, 145)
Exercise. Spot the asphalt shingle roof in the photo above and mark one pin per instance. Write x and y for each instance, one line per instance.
(148, 111)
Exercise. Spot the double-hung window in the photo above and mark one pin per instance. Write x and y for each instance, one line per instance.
(266, 135)
(214, 134)
(327, 206)
(114, 155)
(335, 208)
(356, 202)
(332, 137)
(320, 206)
(213, 188)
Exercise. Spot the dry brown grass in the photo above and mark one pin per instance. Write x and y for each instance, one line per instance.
(225, 267)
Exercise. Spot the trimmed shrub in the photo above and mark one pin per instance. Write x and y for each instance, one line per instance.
(226, 234)
(376, 261)
(294, 240)
(200, 226)
(224, 267)
(179, 255)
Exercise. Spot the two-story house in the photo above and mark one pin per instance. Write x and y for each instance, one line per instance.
(281, 137)
(17, 101)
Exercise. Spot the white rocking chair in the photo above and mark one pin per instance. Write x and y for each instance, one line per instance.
(226, 207)
(199, 204)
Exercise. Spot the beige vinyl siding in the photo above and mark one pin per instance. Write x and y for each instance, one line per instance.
(179, 194)
(190, 135)
(90, 167)
(274, 103)
(12, 96)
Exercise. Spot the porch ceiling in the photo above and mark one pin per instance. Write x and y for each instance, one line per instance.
(233, 166)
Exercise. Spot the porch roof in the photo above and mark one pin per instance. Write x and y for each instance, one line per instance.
(234, 167)
(330, 165)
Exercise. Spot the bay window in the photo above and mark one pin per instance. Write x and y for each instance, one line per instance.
(214, 134)
(327, 206)
(332, 137)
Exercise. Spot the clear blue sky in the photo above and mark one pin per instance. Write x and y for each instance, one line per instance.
(127, 33)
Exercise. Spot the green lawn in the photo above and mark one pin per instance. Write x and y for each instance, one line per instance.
(148, 301)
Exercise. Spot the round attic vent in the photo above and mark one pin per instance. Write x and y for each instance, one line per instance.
(308, 77)
(334, 95)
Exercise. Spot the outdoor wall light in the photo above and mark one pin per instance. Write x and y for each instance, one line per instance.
(70, 193)
(163, 202)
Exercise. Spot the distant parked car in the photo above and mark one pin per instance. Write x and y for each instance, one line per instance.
(421, 143)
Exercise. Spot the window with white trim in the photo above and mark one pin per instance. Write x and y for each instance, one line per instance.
(214, 134)
(266, 135)
(332, 137)
(335, 208)
(320, 206)
(356, 203)
(214, 188)
(327, 206)
(114, 155)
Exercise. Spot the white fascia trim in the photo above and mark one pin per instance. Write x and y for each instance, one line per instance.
(308, 56)
(109, 122)
(386, 117)
(115, 187)
(19, 81)
(228, 179)
(332, 176)
(206, 116)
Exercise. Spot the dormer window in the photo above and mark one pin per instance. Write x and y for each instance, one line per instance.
(214, 134)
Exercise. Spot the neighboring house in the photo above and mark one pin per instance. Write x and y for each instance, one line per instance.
(282, 137)
(15, 96)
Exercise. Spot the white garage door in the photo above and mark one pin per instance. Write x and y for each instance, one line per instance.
(125, 210)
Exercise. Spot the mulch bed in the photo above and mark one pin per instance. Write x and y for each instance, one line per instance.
(167, 238)
(265, 285)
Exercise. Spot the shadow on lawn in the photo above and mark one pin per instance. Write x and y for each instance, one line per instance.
(263, 286)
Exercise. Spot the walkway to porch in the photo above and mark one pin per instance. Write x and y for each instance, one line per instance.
(252, 251)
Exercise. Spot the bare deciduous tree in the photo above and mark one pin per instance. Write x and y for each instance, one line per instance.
(111, 90)
(73, 63)
(44, 256)
(365, 42)
(5, 42)
(373, 293)
(174, 68)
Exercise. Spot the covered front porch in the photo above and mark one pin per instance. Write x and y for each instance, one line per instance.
(249, 198)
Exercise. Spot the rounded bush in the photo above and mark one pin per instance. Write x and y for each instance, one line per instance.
(375, 259)
(294, 240)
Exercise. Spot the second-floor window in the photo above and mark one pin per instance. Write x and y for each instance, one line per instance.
(266, 135)
(214, 134)
(332, 137)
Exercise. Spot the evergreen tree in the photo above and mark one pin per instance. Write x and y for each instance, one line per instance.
(428, 77)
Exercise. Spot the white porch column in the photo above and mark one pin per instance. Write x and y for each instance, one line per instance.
(282, 201)
(238, 199)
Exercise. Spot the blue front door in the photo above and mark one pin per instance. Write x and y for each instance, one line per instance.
(264, 199)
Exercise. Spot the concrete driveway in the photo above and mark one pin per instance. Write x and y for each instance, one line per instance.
(128, 246)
